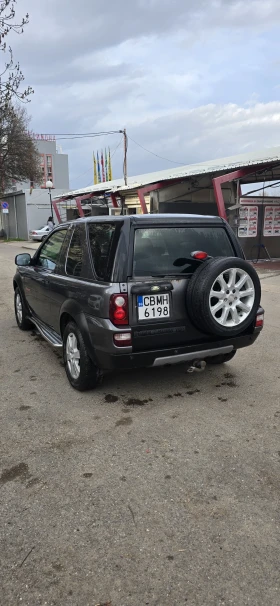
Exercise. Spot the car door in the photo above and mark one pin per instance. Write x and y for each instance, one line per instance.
(37, 280)
(70, 279)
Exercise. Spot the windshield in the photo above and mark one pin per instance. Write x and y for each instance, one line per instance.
(167, 250)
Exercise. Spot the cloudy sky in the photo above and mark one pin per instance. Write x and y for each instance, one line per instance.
(191, 80)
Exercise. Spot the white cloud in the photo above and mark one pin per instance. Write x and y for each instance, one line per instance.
(190, 80)
(211, 131)
(195, 135)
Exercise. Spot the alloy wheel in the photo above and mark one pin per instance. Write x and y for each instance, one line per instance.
(19, 308)
(232, 297)
(73, 356)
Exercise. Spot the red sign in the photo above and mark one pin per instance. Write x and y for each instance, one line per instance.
(42, 137)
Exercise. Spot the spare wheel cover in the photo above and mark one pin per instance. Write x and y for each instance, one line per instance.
(223, 296)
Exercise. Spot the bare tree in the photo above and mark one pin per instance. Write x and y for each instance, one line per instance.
(19, 157)
(11, 77)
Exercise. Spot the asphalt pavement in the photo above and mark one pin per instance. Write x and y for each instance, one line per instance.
(160, 488)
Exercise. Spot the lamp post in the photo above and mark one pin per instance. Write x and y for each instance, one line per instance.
(3, 148)
(49, 185)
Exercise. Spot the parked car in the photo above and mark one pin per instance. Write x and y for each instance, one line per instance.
(40, 234)
(139, 291)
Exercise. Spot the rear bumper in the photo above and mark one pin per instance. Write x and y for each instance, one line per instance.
(164, 357)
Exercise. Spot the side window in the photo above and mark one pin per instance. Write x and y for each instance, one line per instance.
(101, 238)
(49, 254)
(74, 264)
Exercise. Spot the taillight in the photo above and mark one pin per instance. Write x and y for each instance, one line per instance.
(122, 339)
(259, 320)
(119, 310)
(199, 255)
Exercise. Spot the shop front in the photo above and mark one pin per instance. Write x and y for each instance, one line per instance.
(259, 227)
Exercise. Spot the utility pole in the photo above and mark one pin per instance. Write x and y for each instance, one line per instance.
(125, 156)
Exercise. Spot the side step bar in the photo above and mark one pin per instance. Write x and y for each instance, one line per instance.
(48, 333)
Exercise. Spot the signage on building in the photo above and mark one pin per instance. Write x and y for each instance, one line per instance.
(38, 137)
(5, 208)
(259, 200)
(271, 222)
(248, 226)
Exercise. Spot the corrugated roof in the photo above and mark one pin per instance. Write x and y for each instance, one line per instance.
(220, 165)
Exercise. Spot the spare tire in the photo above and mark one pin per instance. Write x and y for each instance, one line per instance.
(223, 296)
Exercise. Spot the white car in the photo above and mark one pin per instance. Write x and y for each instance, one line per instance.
(39, 234)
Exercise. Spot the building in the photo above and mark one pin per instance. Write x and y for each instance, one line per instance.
(217, 187)
(29, 206)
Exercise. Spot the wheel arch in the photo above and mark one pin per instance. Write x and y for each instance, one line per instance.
(72, 312)
(17, 283)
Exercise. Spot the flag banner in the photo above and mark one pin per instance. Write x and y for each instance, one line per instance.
(106, 165)
(98, 170)
(110, 174)
(95, 179)
(102, 166)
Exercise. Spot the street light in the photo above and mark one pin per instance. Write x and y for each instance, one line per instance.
(49, 185)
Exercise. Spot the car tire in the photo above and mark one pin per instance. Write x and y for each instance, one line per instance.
(21, 312)
(81, 372)
(215, 300)
(222, 359)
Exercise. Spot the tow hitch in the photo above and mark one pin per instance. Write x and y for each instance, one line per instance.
(197, 366)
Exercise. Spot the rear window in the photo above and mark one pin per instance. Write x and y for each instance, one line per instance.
(102, 239)
(75, 257)
(167, 250)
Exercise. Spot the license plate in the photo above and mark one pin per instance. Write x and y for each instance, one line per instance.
(151, 307)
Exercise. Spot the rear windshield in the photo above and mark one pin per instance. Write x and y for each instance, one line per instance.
(167, 250)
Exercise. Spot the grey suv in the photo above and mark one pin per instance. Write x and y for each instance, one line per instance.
(139, 291)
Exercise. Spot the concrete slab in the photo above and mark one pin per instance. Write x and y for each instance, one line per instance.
(31, 245)
(159, 487)
(24, 244)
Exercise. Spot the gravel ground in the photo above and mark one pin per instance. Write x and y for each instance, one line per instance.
(160, 488)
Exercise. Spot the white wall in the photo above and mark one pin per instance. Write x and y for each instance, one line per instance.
(38, 207)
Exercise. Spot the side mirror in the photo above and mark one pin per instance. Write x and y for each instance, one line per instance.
(23, 260)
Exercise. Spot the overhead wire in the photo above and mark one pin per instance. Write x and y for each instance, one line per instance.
(253, 191)
(153, 153)
(209, 166)
(71, 138)
(116, 148)
(99, 133)
(82, 175)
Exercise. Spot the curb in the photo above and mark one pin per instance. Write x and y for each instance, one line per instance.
(29, 247)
